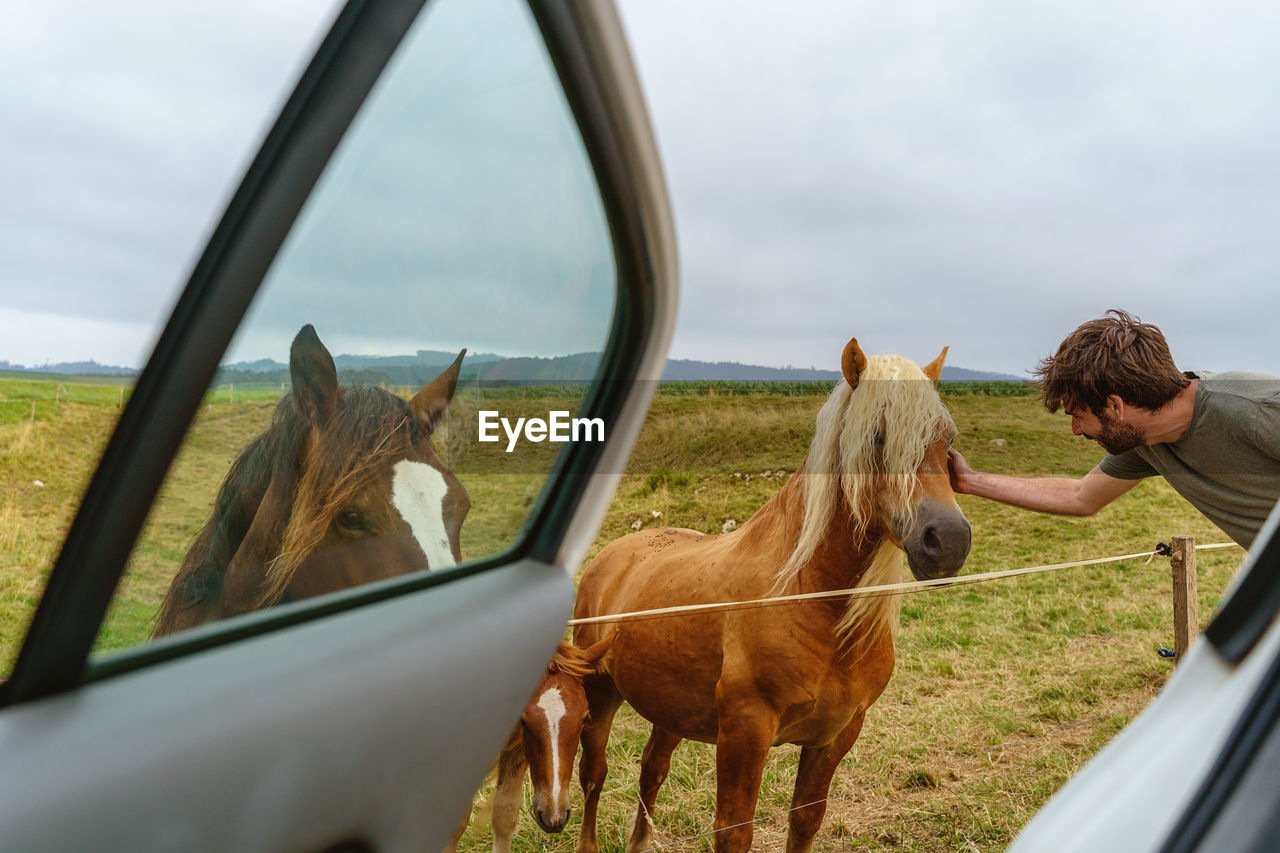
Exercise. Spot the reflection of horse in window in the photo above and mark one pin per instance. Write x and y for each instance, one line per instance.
(343, 488)
(874, 486)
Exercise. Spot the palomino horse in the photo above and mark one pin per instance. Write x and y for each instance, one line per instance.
(546, 743)
(873, 486)
(343, 488)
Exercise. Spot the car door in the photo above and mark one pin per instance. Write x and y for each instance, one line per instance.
(362, 718)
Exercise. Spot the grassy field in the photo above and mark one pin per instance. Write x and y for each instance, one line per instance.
(1001, 690)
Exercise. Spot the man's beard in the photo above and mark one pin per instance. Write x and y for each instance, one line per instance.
(1117, 436)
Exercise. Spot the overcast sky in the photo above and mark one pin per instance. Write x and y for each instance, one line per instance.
(985, 175)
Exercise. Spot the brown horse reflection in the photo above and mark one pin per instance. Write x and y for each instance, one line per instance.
(874, 486)
(343, 488)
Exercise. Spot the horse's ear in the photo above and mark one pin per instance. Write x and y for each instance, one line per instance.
(315, 379)
(596, 652)
(934, 368)
(429, 404)
(853, 362)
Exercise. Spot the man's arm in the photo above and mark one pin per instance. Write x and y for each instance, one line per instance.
(1057, 495)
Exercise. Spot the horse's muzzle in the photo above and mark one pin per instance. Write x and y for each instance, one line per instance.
(938, 543)
(551, 821)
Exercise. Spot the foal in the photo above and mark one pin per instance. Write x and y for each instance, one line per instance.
(546, 743)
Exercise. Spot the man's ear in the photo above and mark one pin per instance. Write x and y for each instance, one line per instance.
(1115, 407)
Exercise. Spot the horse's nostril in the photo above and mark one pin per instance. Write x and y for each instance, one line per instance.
(931, 543)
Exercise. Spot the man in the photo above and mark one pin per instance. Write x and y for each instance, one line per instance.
(1214, 438)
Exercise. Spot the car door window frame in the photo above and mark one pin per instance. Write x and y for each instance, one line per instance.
(55, 652)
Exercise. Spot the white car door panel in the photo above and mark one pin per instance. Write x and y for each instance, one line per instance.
(353, 727)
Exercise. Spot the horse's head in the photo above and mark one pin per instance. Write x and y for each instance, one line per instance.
(894, 443)
(880, 451)
(551, 726)
(364, 496)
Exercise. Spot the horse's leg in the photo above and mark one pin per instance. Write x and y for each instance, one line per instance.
(741, 749)
(813, 784)
(653, 772)
(603, 701)
(506, 797)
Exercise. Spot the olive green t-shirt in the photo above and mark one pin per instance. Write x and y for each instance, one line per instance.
(1227, 463)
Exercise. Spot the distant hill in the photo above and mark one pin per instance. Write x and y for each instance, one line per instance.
(682, 369)
(424, 365)
(580, 367)
(960, 374)
(422, 357)
(73, 368)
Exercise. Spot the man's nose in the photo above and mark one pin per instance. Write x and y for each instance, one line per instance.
(1076, 429)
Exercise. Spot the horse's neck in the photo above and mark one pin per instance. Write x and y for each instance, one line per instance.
(842, 555)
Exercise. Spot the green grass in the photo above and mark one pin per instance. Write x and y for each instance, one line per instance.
(1001, 691)
(1010, 662)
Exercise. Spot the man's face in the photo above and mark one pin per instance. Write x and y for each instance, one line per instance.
(1115, 436)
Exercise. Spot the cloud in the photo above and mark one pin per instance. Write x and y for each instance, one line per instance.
(986, 175)
(126, 127)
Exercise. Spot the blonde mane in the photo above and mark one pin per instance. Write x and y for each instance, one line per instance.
(868, 445)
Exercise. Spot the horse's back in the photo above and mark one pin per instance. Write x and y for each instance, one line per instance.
(642, 567)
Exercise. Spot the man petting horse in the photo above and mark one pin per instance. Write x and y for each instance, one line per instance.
(1214, 437)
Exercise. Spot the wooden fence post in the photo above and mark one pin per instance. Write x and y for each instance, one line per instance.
(1186, 620)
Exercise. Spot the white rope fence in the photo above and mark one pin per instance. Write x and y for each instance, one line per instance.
(906, 588)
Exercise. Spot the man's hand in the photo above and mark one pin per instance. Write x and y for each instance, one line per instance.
(959, 471)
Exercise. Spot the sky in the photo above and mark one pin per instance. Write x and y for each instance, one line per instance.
(984, 175)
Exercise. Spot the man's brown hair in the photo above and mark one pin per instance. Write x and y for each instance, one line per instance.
(1115, 354)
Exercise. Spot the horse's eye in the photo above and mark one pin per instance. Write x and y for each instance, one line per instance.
(352, 520)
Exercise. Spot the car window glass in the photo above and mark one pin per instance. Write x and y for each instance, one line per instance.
(340, 443)
(125, 128)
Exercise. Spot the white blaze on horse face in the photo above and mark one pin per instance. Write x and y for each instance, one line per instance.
(552, 704)
(418, 492)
